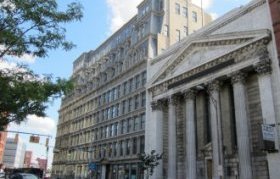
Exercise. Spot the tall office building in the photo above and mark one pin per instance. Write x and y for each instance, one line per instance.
(102, 123)
(14, 153)
(3, 138)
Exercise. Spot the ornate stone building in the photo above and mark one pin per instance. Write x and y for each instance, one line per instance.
(102, 123)
(213, 100)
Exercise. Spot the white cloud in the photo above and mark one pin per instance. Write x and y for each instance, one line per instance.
(205, 3)
(7, 65)
(25, 58)
(35, 124)
(214, 15)
(120, 12)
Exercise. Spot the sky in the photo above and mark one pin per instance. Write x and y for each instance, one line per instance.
(101, 19)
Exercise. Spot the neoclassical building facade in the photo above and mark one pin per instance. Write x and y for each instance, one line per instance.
(101, 126)
(213, 101)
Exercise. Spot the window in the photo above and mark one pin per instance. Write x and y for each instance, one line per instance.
(123, 107)
(185, 12)
(194, 16)
(165, 30)
(144, 78)
(177, 8)
(115, 149)
(134, 146)
(116, 129)
(137, 82)
(178, 35)
(130, 124)
(142, 144)
(136, 102)
(119, 91)
(125, 88)
(127, 147)
(117, 110)
(129, 104)
(143, 99)
(121, 148)
(142, 118)
(135, 123)
(186, 30)
(101, 132)
(130, 85)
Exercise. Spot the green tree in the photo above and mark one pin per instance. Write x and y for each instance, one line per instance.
(31, 27)
(148, 162)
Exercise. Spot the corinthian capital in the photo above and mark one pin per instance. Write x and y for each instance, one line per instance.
(238, 77)
(263, 66)
(214, 85)
(158, 105)
(174, 99)
(189, 94)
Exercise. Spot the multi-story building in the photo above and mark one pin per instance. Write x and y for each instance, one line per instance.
(3, 138)
(102, 122)
(214, 100)
(14, 153)
(42, 163)
(27, 158)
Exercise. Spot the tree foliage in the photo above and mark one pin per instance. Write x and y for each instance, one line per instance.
(25, 93)
(31, 27)
(34, 27)
(149, 161)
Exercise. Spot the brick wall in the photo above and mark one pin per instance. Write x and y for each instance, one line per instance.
(275, 14)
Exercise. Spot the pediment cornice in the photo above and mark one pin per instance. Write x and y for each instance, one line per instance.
(240, 54)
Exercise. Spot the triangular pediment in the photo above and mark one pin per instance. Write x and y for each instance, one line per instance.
(197, 52)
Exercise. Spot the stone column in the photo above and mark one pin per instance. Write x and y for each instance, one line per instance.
(103, 172)
(173, 101)
(264, 78)
(190, 135)
(157, 115)
(216, 129)
(242, 120)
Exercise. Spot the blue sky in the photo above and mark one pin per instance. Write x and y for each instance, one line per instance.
(101, 18)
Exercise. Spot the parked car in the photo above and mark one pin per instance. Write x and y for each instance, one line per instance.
(23, 176)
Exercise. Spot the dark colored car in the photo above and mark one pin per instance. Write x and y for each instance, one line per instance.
(23, 176)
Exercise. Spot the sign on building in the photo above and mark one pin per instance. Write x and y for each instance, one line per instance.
(268, 134)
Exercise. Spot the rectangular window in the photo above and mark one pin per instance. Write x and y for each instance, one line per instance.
(185, 12)
(123, 107)
(186, 31)
(194, 16)
(127, 147)
(142, 118)
(178, 35)
(125, 88)
(177, 8)
(116, 129)
(136, 101)
(119, 91)
(144, 78)
(137, 82)
(129, 104)
(135, 123)
(130, 85)
(165, 30)
(134, 146)
(142, 144)
(143, 99)
(121, 148)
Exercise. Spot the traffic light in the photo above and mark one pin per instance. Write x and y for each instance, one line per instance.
(34, 139)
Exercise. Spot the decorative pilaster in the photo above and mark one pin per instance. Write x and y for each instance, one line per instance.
(190, 134)
(244, 153)
(172, 155)
(216, 129)
(263, 68)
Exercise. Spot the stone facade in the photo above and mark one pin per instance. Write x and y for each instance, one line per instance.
(227, 77)
(103, 121)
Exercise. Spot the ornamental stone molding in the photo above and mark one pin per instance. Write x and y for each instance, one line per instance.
(247, 52)
(174, 99)
(238, 77)
(214, 85)
(263, 66)
(158, 105)
(190, 94)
